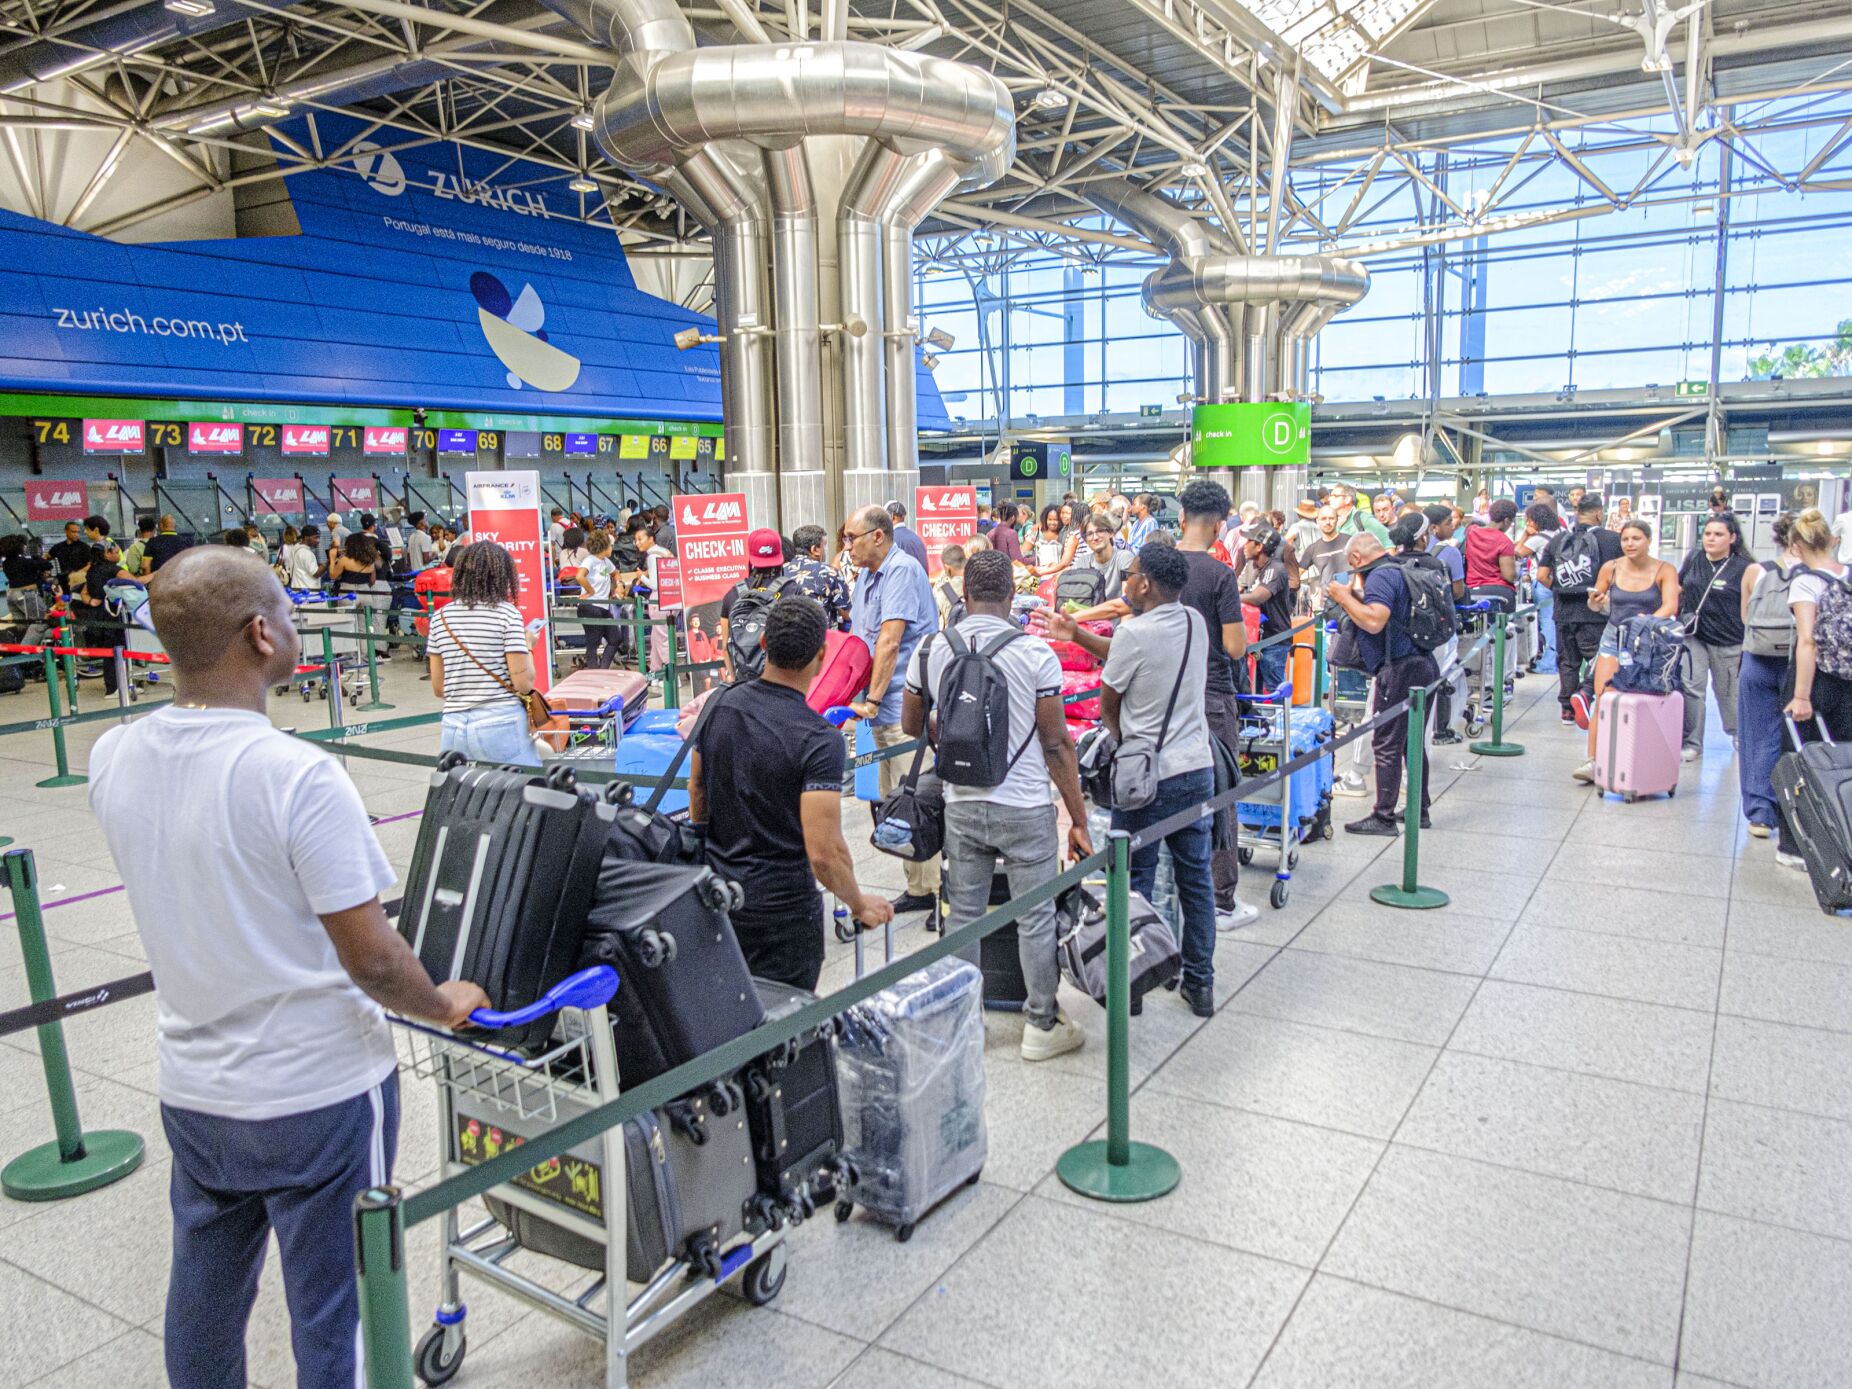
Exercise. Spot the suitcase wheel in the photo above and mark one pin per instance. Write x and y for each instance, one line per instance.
(713, 892)
(449, 760)
(736, 897)
(758, 1089)
(619, 793)
(560, 778)
(903, 1233)
(653, 948)
(844, 1209)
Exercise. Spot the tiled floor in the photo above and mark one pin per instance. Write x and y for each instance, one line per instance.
(1589, 1125)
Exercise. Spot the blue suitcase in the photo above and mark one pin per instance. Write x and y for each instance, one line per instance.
(1311, 785)
(912, 1068)
(648, 755)
(655, 721)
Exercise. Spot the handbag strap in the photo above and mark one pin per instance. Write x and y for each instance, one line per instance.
(1189, 635)
(507, 685)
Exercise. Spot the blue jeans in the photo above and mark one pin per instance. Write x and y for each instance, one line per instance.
(233, 1181)
(1189, 855)
(1761, 736)
(492, 733)
(1270, 667)
(1546, 629)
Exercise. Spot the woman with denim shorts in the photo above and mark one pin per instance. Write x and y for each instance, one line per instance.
(482, 662)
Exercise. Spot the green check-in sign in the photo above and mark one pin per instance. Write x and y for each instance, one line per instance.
(1242, 433)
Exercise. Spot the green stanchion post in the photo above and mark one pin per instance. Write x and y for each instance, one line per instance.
(1118, 1169)
(385, 1313)
(1497, 746)
(1409, 892)
(375, 702)
(69, 664)
(74, 1162)
(65, 776)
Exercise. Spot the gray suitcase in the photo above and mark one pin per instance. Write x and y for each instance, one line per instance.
(692, 1192)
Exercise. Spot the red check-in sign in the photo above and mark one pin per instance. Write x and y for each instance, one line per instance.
(277, 495)
(710, 543)
(383, 440)
(115, 436)
(311, 439)
(943, 516)
(356, 492)
(202, 437)
(47, 500)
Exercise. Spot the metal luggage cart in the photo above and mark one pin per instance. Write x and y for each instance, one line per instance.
(491, 1100)
(1473, 620)
(128, 604)
(311, 615)
(592, 735)
(1266, 742)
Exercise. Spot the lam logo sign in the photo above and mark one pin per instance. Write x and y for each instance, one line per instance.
(708, 515)
(47, 500)
(380, 168)
(215, 438)
(513, 325)
(114, 436)
(306, 439)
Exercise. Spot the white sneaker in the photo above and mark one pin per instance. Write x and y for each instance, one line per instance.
(1794, 861)
(1237, 916)
(1350, 784)
(1058, 1040)
(1585, 772)
(1689, 755)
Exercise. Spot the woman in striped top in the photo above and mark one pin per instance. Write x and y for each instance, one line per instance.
(481, 661)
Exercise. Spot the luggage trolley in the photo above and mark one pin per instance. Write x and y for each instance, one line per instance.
(491, 1100)
(1266, 743)
(311, 613)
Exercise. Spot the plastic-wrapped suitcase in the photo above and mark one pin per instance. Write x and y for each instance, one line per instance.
(912, 1062)
(500, 879)
(649, 755)
(1638, 738)
(1813, 787)
(1073, 680)
(794, 1107)
(846, 665)
(692, 1187)
(1307, 796)
(686, 988)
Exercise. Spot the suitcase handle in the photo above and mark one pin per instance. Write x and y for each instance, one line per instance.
(589, 988)
(838, 714)
(1794, 731)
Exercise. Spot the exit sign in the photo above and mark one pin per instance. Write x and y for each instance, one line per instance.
(1151, 412)
(1686, 388)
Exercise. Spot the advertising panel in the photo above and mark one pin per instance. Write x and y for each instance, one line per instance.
(386, 440)
(56, 501)
(354, 493)
(310, 440)
(457, 441)
(204, 436)
(578, 445)
(1037, 460)
(505, 507)
(1239, 433)
(277, 495)
(943, 516)
(115, 436)
(710, 543)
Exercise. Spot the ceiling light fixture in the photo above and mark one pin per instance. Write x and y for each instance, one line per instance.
(1050, 99)
(583, 121)
(582, 184)
(928, 361)
(192, 9)
(1193, 168)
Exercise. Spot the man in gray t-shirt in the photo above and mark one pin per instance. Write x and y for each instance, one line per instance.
(1153, 686)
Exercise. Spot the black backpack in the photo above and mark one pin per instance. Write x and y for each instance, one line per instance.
(1430, 600)
(955, 606)
(974, 715)
(1577, 563)
(746, 625)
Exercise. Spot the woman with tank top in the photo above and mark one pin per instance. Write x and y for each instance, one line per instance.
(1768, 645)
(1712, 582)
(1635, 585)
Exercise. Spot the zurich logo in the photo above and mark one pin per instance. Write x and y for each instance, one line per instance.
(512, 324)
(380, 168)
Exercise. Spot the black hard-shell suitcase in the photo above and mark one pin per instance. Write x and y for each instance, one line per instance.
(912, 1064)
(686, 988)
(1813, 788)
(998, 954)
(692, 1189)
(500, 880)
(794, 1108)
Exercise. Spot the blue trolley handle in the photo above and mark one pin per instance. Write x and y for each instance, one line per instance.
(1483, 605)
(839, 714)
(1280, 695)
(589, 988)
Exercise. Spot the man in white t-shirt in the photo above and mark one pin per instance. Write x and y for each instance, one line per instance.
(1154, 688)
(556, 534)
(254, 878)
(1011, 825)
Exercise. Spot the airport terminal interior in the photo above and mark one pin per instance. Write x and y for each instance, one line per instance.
(1472, 377)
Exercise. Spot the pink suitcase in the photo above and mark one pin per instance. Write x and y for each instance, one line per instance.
(596, 691)
(1637, 741)
(846, 664)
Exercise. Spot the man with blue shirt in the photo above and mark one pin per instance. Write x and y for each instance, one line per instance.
(1138, 529)
(893, 611)
(1376, 599)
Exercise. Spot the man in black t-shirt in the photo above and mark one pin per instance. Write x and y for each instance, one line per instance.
(766, 782)
(166, 544)
(89, 605)
(1214, 592)
(70, 554)
(1568, 567)
(1272, 594)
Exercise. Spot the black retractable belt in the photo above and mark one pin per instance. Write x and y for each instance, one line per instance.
(69, 1005)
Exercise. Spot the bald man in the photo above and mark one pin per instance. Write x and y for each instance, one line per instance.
(254, 878)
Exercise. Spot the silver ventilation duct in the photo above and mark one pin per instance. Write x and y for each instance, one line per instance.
(118, 33)
(1250, 318)
(810, 164)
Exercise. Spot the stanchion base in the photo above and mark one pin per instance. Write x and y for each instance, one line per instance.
(38, 1175)
(1490, 749)
(68, 779)
(5, 839)
(1148, 1174)
(1421, 899)
(375, 707)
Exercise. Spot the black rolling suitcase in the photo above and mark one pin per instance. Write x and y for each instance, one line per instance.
(500, 880)
(685, 987)
(794, 1109)
(1813, 787)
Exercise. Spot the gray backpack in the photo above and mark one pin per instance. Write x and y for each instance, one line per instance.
(1768, 625)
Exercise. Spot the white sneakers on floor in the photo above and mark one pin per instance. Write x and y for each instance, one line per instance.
(1350, 784)
(1063, 1037)
(1689, 755)
(1586, 772)
(1794, 861)
(1758, 831)
(1241, 914)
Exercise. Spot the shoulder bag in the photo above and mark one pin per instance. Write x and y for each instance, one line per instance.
(1134, 762)
(910, 822)
(539, 712)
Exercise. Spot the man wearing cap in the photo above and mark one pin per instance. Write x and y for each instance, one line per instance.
(89, 603)
(1270, 592)
(765, 572)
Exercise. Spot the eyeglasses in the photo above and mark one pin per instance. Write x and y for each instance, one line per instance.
(852, 536)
